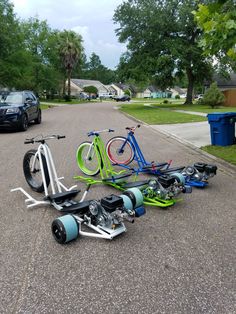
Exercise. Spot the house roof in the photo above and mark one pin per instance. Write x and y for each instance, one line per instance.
(223, 82)
(83, 83)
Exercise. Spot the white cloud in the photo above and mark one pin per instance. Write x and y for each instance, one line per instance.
(92, 19)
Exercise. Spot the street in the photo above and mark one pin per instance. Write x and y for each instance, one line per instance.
(179, 260)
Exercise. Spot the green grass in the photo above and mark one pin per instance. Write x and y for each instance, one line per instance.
(72, 102)
(227, 153)
(159, 115)
(44, 106)
(195, 107)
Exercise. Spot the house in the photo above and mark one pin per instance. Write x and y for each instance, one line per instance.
(132, 90)
(158, 93)
(115, 90)
(145, 93)
(228, 88)
(77, 86)
(181, 92)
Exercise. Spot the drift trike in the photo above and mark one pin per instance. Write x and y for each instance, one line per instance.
(105, 217)
(92, 160)
(123, 150)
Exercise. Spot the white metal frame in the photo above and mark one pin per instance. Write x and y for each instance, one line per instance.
(58, 187)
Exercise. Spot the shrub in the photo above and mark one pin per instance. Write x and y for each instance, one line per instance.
(127, 92)
(177, 97)
(165, 101)
(213, 97)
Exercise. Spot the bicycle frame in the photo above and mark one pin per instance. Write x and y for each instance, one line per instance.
(106, 171)
(56, 185)
(142, 163)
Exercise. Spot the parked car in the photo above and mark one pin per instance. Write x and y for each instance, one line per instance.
(18, 109)
(123, 98)
(198, 97)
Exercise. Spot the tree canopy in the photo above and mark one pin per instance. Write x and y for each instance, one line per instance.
(218, 22)
(162, 40)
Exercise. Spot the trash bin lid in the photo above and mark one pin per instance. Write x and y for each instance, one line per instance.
(217, 116)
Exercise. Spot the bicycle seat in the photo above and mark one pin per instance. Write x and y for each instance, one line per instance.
(61, 197)
(154, 166)
(118, 178)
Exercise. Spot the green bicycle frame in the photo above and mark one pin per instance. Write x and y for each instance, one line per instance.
(106, 172)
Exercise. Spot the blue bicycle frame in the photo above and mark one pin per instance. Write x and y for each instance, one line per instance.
(150, 167)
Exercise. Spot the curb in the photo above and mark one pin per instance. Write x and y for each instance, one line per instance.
(226, 166)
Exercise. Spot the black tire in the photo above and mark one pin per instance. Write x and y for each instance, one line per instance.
(38, 120)
(115, 157)
(24, 123)
(34, 178)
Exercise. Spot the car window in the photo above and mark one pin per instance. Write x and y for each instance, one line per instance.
(28, 96)
(14, 98)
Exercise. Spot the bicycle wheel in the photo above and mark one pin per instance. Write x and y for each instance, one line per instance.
(118, 152)
(87, 159)
(34, 176)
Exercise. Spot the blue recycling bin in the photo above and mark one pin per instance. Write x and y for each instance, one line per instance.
(222, 127)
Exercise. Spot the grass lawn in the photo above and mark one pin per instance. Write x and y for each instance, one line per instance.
(159, 115)
(195, 107)
(43, 106)
(227, 153)
(72, 102)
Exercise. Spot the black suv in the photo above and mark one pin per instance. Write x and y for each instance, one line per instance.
(18, 109)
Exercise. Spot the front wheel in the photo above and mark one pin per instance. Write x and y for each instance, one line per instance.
(86, 159)
(24, 123)
(38, 120)
(120, 150)
(33, 172)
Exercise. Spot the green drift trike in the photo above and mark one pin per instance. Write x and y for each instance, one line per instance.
(92, 160)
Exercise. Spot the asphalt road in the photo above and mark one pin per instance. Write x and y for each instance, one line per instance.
(180, 260)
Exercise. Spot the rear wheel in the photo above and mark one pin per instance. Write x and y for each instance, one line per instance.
(33, 171)
(120, 150)
(86, 159)
(65, 229)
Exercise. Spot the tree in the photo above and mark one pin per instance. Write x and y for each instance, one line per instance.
(218, 22)
(14, 60)
(70, 48)
(162, 40)
(213, 96)
(91, 90)
(97, 71)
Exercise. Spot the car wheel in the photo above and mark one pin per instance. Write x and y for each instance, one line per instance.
(24, 123)
(38, 120)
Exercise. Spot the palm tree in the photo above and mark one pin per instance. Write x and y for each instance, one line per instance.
(70, 48)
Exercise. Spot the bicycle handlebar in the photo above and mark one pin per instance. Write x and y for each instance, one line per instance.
(92, 133)
(42, 139)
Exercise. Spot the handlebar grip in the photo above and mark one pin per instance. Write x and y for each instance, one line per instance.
(138, 126)
(29, 141)
(90, 133)
(111, 130)
(61, 136)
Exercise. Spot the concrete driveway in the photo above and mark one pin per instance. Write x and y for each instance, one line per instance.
(197, 133)
(180, 260)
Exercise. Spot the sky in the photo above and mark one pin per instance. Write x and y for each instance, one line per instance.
(90, 18)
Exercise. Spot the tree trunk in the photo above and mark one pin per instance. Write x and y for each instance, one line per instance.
(69, 89)
(191, 80)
